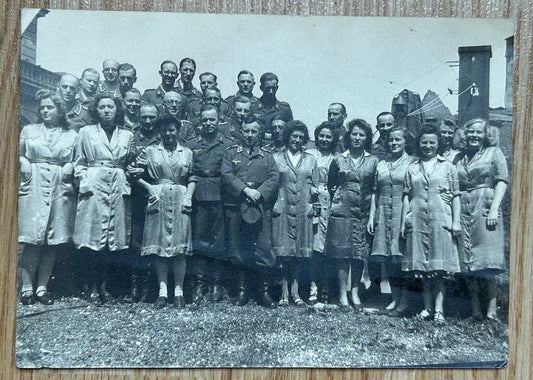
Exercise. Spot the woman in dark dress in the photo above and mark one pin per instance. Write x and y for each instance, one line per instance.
(350, 183)
(483, 179)
(47, 201)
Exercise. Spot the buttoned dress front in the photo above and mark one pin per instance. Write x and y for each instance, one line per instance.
(47, 203)
(249, 244)
(323, 162)
(167, 229)
(388, 188)
(351, 183)
(292, 215)
(428, 223)
(480, 247)
(103, 215)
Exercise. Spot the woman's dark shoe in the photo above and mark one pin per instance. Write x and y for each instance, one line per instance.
(395, 313)
(242, 297)
(345, 308)
(313, 299)
(179, 302)
(299, 302)
(266, 301)
(45, 299)
(160, 303)
(27, 298)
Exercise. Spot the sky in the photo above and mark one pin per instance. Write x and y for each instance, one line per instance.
(361, 62)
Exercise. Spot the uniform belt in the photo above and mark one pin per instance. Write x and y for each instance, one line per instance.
(105, 164)
(475, 187)
(49, 161)
(208, 173)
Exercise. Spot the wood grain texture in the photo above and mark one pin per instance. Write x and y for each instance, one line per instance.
(520, 319)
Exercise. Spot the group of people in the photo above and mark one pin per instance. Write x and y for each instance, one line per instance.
(233, 192)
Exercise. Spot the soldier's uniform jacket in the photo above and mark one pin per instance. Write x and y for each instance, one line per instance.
(231, 99)
(155, 96)
(207, 160)
(190, 92)
(193, 107)
(242, 168)
(226, 125)
(78, 116)
(103, 89)
(131, 125)
(267, 114)
(379, 150)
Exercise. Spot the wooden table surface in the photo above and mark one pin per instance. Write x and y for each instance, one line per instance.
(520, 318)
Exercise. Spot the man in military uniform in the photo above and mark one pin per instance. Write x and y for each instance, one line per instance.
(184, 84)
(337, 115)
(385, 122)
(169, 74)
(131, 103)
(208, 81)
(250, 181)
(207, 217)
(267, 106)
(173, 105)
(127, 76)
(110, 83)
(67, 89)
(274, 140)
(213, 97)
(245, 83)
(241, 111)
(146, 134)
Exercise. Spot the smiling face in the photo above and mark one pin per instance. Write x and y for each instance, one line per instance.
(106, 110)
(396, 142)
(49, 112)
(325, 139)
(212, 97)
(246, 84)
(475, 134)
(428, 145)
(385, 122)
(250, 134)
(207, 81)
(357, 138)
(209, 120)
(169, 134)
(169, 74)
(296, 141)
(446, 133)
(173, 103)
(132, 103)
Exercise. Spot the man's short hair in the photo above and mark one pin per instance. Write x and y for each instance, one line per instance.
(127, 66)
(166, 62)
(206, 74)
(241, 99)
(89, 70)
(384, 113)
(254, 118)
(216, 90)
(133, 90)
(208, 107)
(187, 60)
(244, 72)
(343, 107)
(268, 77)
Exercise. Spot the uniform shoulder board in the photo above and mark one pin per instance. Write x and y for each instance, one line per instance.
(185, 122)
(267, 149)
(232, 146)
(284, 103)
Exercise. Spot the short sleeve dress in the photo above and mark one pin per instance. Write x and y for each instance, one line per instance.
(167, 229)
(47, 204)
(481, 248)
(351, 183)
(388, 188)
(428, 223)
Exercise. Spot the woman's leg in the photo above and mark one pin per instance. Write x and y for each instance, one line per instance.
(284, 282)
(316, 260)
(357, 271)
(297, 266)
(28, 262)
(46, 265)
(393, 273)
(439, 299)
(343, 267)
(161, 271)
(491, 295)
(179, 265)
(428, 299)
(472, 284)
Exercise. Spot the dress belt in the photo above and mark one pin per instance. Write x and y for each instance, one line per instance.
(49, 161)
(208, 173)
(475, 187)
(105, 164)
(165, 181)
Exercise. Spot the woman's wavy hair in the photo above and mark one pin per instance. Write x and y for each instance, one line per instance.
(397, 128)
(58, 102)
(93, 108)
(294, 125)
(429, 129)
(327, 125)
(485, 124)
(367, 129)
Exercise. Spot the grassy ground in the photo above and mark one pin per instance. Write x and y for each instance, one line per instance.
(73, 333)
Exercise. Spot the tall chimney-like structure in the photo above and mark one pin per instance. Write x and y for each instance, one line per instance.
(509, 50)
(474, 74)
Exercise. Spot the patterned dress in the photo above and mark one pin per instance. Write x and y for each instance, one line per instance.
(47, 204)
(480, 247)
(167, 229)
(351, 182)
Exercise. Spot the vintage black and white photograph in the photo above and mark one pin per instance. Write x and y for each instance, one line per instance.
(208, 190)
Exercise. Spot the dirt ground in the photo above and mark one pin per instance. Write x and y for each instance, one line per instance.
(74, 333)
